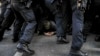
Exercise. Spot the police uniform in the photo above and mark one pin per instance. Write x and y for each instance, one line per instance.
(57, 7)
(7, 19)
(3, 8)
(78, 7)
(23, 8)
(18, 23)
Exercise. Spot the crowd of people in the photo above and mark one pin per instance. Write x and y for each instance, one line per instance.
(60, 17)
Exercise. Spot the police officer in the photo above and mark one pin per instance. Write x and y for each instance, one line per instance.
(23, 8)
(7, 19)
(18, 23)
(78, 7)
(4, 4)
(96, 17)
(57, 7)
(3, 8)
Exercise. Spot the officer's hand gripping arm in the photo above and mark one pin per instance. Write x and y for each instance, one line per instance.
(28, 3)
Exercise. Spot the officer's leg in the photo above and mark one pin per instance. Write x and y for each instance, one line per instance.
(17, 29)
(1, 33)
(7, 22)
(60, 29)
(61, 19)
(77, 29)
(26, 38)
(58, 11)
(97, 39)
(77, 41)
(3, 9)
(30, 27)
(18, 23)
(77, 34)
(9, 18)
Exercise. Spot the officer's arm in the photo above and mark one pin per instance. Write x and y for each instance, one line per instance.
(4, 2)
(28, 3)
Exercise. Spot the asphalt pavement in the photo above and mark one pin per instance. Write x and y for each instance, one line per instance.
(46, 46)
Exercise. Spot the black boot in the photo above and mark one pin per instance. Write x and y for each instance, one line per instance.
(97, 39)
(1, 38)
(85, 38)
(16, 37)
(1, 34)
(77, 53)
(24, 50)
(8, 29)
(62, 40)
(15, 40)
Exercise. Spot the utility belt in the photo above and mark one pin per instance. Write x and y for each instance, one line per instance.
(15, 1)
(27, 2)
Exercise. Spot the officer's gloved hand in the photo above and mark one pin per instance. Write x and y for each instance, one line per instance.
(81, 4)
(28, 3)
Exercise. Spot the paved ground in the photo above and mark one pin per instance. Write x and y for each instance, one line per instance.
(46, 46)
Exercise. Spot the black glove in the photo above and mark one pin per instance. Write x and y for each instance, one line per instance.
(81, 4)
(28, 3)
